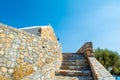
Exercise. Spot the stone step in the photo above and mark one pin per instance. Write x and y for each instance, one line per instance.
(73, 73)
(74, 58)
(68, 53)
(67, 67)
(73, 55)
(85, 78)
(75, 63)
(72, 78)
(80, 62)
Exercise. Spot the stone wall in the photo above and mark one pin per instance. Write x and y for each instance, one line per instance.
(27, 56)
(86, 49)
(98, 70)
(48, 33)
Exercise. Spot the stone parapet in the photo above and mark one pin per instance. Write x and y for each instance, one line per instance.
(23, 54)
(86, 49)
(99, 71)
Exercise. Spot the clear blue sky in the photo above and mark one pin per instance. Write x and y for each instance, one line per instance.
(74, 21)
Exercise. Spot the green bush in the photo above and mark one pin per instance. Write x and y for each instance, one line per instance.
(109, 59)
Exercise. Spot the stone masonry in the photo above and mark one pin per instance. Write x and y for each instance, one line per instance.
(98, 70)
(49, 35)
(82, 65)
(23, 55)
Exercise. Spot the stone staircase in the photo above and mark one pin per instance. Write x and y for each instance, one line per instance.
(75, 65)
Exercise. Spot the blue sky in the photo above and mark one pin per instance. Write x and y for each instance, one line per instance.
(74, 21)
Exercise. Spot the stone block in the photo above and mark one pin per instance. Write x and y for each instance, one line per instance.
(3, 69)
(52, 74)
(8, 45)
(15, 46)
(11, 36)
(2, 35)
(10, 71)
(1, 53)
(39, 63)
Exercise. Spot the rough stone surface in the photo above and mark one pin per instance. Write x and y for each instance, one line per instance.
(3, 69)
(99, 72)
(86, 49)
(23, 54)
(49, 35)
(65, 78)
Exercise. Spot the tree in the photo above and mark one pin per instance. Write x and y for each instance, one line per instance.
(109, 59)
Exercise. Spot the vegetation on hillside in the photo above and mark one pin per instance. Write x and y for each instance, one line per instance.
(109, 59)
